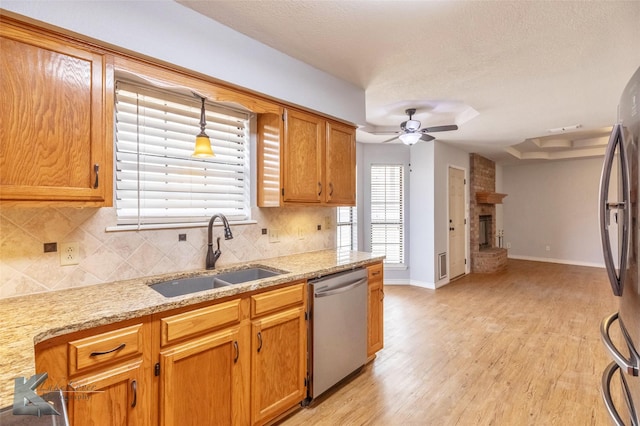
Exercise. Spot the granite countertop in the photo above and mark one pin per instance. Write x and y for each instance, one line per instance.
(29, 320)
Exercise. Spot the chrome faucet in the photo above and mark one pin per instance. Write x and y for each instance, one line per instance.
(212, 256)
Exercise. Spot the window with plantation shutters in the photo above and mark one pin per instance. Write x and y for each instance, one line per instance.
(158, 182)
(346, 228)
(387, 212)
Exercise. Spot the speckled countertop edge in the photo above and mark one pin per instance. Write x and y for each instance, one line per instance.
(28, 320)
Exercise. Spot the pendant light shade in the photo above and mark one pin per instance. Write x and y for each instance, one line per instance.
(203, 143)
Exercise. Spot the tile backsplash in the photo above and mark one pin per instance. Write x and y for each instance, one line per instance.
(113, 256)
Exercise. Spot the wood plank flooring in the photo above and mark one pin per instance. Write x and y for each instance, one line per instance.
(519, 347)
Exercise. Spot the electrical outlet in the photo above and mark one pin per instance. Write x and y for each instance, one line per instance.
(300, 233)
(274, 236)
(508, 245)
(69, 254)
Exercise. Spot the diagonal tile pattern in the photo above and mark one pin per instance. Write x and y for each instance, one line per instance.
(114, 256)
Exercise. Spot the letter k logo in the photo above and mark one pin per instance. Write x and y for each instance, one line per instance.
(26, 401)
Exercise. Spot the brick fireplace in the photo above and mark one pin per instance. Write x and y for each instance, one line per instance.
(485, 255)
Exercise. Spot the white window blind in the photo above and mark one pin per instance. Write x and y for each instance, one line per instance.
(387, 212)
(157, 180)
(346, 228)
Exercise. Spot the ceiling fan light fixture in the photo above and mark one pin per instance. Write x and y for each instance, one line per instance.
(410, 138)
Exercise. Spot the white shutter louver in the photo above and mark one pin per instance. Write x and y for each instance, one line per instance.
(157, 180)
(387, 212)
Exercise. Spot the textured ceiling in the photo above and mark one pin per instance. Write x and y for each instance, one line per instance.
(524, 66)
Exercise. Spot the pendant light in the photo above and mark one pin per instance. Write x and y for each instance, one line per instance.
(203, 143)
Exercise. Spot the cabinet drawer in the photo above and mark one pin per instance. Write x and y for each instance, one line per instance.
(374, 272)
(177, 327)
(275, 300)
(105, 347)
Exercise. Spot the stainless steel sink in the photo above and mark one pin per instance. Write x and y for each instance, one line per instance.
(182, 286)
(245, 275)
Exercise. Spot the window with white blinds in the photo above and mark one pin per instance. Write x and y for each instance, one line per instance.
(346, 228)
(387, 212)
(157, 180)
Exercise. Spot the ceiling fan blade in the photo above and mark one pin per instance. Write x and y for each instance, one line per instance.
(425, 137)
(439, 128)
(389, 140)
(386, 132)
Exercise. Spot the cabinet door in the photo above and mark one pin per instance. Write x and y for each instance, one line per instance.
(340, 165)
(201, 381)
(375, 334)
(278, 360)
(302, 154)
(114, 397)
(56, 119)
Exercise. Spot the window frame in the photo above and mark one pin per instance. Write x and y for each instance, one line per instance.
(242, 185)
(394, 198)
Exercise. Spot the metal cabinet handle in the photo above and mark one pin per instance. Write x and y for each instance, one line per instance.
(235, 345)
(626, 364)
(134, 388)
(319, 188)
(96, 169)
(382, 293)
(373, 274)
(330, 189)
(259, 341)
(606, 394)
(117, 348)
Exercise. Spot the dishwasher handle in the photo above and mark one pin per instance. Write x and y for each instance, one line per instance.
(342, 288)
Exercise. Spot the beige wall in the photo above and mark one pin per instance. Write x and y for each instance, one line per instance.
(112, 256)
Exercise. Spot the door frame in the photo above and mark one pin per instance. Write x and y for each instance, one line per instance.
(467, 266)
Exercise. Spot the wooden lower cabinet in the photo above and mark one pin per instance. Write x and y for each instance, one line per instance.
(202, 381)
(240, 362)
(115, 397)
(375, 309)
(278, 364)
(106, 373)
(278, 352)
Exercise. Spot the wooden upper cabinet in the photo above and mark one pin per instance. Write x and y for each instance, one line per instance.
(305, 160)
(340, 165)
(302, 158)
(55, 118)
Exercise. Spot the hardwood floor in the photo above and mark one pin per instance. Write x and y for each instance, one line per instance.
(519, 347)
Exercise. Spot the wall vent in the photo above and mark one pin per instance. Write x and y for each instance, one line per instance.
(442, 265)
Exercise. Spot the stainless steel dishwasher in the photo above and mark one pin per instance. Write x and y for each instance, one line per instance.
(338, 332)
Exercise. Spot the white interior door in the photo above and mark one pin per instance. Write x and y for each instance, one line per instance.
(457, 234)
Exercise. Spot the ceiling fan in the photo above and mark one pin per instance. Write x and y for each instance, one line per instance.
(410, 131)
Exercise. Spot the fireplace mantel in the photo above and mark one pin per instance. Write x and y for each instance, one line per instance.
(489, 197)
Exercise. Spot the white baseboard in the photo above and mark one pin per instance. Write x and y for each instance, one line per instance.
(414, 283)
(562, 261)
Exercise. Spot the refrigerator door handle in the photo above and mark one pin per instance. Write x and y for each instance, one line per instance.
(607, 375)
(616, 140)
(626, 364)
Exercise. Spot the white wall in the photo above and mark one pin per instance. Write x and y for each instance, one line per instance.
(168, 31)
(423, 209)
(553, 204)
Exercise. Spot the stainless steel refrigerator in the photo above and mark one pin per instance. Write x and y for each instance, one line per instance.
(620, 226)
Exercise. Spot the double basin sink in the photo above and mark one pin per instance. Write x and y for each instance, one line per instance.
(182, 286)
